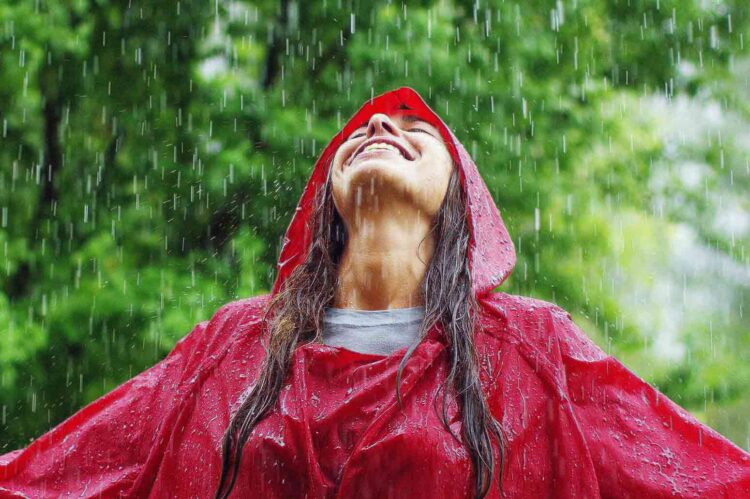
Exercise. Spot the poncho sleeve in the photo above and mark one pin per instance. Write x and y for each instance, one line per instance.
(642, 444)
(100, 450)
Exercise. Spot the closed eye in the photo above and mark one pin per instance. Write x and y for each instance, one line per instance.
(359, 134)
(420, 130)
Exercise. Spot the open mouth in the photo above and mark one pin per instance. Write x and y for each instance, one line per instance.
(379, 145)
(376, 148)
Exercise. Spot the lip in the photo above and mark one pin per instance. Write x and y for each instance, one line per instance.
(385, 140)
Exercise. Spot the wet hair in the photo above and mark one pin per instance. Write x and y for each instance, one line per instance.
(294, 317)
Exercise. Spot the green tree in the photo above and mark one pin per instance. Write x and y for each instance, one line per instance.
(153, 153)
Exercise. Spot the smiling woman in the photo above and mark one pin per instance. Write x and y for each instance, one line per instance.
(496, 396)
(388, 182)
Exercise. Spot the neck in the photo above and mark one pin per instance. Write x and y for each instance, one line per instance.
(384, 262)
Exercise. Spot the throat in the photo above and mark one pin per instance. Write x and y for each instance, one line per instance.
(383, 266)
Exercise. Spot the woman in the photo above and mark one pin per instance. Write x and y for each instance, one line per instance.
(489, 394)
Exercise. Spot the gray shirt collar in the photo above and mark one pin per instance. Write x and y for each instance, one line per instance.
(379, 332)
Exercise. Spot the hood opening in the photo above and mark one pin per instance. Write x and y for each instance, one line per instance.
(491, 252)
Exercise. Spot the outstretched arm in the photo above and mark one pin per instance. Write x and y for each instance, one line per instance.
(643, 444)
(100, 450)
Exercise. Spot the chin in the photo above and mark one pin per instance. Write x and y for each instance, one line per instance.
(379, 177)
(383, 188)
(381, 163)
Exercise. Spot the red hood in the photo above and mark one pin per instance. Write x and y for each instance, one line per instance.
(491, 252)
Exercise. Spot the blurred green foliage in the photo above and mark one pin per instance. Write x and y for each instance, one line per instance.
(152, 153)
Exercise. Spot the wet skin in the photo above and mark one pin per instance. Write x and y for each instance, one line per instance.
(388, 197)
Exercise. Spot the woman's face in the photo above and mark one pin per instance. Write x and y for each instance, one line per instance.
(391, 161)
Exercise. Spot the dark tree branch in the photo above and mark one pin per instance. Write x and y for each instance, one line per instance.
(108, 164)
(18, 284)
(331, 53)
(52, 159)
(277, 44)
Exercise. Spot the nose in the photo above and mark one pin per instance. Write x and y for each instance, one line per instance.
(381, 124)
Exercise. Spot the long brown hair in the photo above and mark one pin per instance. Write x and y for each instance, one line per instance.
(294, 317)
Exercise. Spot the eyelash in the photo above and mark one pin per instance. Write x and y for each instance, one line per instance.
(410, 130)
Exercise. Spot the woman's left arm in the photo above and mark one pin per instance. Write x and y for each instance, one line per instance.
(641, 443)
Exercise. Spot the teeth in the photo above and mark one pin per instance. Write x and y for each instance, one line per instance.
(381, 145)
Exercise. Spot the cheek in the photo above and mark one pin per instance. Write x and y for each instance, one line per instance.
(439, 174)
(446, 166)
(337, 158)
(436, 170)
(342, 154)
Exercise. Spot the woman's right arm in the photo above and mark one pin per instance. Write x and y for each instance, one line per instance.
(100, 450)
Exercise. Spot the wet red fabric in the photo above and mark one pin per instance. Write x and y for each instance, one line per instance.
(578, 423)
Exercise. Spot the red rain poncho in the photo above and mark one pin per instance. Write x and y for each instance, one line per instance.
(578, 423)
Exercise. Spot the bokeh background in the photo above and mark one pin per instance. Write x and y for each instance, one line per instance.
(152, 152)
